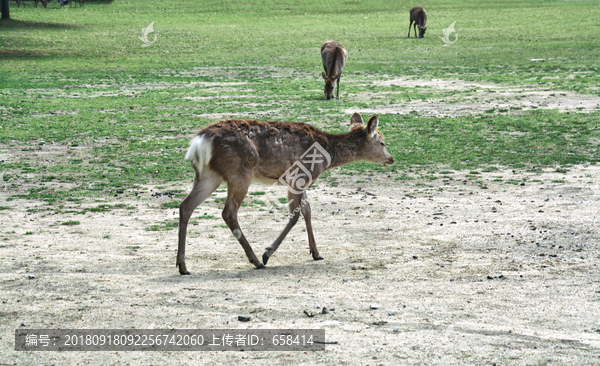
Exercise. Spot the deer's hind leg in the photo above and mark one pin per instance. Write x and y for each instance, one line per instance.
(411, 22)
(205, 183)
(236, 191)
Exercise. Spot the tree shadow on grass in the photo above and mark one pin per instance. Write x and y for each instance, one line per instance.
(7, 54)
(14, 25)
(19, 25)
(69, 3)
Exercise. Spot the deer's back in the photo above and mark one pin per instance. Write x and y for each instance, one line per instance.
(418, 15)
(268, 148)
(334, 57)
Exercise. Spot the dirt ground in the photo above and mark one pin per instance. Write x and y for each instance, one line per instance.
(456, 270)
(483, 97)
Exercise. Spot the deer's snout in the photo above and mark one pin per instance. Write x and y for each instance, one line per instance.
(389, 161)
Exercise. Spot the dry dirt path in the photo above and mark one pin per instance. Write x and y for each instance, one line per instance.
(448, 271)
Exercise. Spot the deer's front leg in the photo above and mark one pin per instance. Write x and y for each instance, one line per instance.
(337, 95)
(311, 238)
(294, 201)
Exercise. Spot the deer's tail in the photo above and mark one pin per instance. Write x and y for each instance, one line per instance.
(200, 152)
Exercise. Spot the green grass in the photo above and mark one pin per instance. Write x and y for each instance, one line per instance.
(170, 204)
(77, 83)
(205, 217)
(70, 223)
(165, 225)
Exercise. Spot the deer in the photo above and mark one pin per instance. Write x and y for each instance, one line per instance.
(334, 58)
(419, 17)
(241, 151)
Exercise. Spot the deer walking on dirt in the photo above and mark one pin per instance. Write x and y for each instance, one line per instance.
(419, 17)
(239, 151)
(334, 57)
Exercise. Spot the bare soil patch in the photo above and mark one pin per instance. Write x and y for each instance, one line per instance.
(460, 270)
(482, 97)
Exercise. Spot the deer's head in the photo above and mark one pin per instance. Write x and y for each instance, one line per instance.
(372, 147)
(422, 31)
(329, 84)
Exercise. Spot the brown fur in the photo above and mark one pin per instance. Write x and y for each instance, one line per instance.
(419, 17)
(334, 57)
(246, 150)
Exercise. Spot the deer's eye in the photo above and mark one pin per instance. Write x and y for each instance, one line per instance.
(382, 144)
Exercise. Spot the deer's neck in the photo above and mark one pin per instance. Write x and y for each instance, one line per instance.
(345, 148)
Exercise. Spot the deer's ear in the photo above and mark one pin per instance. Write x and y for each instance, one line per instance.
(324, 75)
(372, 126)
(356, 120)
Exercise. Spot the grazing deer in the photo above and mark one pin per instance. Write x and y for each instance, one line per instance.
(239, 151)
(334, 58)
(418, 15)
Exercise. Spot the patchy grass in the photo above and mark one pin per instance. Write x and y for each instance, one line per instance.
(170, 204)
(165, 225)
(70, 223)
(121, 115)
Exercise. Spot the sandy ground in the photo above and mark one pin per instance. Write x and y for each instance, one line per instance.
(457, 270)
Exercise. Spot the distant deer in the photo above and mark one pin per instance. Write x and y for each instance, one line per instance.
(239, 151)
(334, 58)
(419, 17)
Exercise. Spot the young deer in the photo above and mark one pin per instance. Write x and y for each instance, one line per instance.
(334, 58)
(239, 151)
(418, 15)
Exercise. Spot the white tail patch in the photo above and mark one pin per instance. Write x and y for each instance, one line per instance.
(200, 152)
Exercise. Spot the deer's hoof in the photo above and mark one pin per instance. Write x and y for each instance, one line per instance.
(265, 258)
(319, 259)
(182, 269)
(260, 266)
